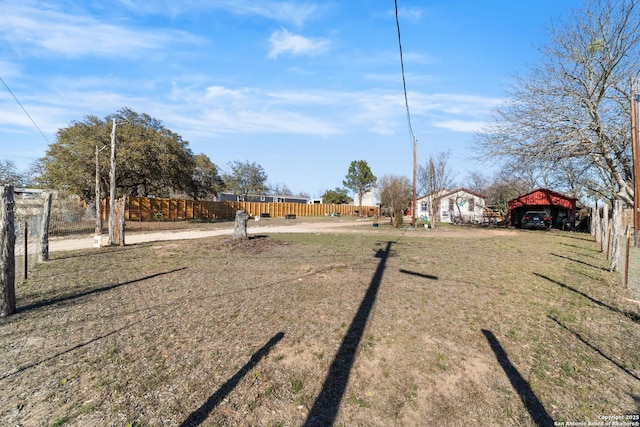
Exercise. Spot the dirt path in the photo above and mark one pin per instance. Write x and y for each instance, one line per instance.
(254, 228)
(57, 245)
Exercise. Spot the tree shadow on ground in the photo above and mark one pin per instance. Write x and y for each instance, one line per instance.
(87, 254)
(631, 315)
(535, 408)
(596, 349)
(64, 298)
(61, 353)
(592, 252)
(325, 408)
(587, 237)
(198, 416)
(580, 262)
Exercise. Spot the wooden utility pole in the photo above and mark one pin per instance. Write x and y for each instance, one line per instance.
(413, 197)
(7, 252)
(635, 147)
(112, 187)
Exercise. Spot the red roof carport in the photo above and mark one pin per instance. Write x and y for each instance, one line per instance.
(561, 208)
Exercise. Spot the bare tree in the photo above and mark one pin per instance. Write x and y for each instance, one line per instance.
(9, 174)
(434, 177)
(511, 181)
(575, 105)
(280, 189)
(395, 192)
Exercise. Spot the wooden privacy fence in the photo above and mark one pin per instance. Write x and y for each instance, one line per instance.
(150, 209)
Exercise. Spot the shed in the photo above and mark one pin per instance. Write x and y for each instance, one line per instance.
(561, 208)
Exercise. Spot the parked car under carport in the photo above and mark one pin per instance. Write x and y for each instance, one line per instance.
(560, 208)
(536, 220)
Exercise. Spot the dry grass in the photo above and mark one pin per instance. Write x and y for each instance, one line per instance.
(371, 327)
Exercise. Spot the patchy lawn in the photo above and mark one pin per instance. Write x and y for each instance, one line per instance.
(372, 326)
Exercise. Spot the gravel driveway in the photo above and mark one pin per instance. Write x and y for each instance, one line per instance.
(56, 245)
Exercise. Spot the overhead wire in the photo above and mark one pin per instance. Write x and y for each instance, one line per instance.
(404, 81)
(25, 110)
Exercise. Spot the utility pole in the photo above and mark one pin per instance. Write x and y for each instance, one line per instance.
(112, 187)
(413, 198)
(635, 147)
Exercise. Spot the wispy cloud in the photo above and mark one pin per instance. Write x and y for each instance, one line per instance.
(460, 125)
(452, 104)
(206, 111)
(412, 14)
(49, 31)
(284, 42)
(9, 70)
(406, 14)
(282, 11)
(216, 110)
(289, 12)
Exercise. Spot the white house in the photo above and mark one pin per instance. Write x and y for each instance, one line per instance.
(461, 205)
(369, 198)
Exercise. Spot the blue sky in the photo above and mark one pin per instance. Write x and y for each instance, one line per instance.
(300, 87)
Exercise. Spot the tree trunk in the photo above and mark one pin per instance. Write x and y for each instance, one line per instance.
(604, 229)
(7, 252)
(240, 227)
(44, 229)
(434, 205)
(119, 221)
(616, 231)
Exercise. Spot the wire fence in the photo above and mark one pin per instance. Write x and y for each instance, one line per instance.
(68, 218)
(612, 227)
(631, 268)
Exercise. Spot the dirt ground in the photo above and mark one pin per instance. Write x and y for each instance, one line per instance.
(153, 232)
(336, 323)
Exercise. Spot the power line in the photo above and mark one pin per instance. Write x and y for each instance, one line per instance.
(25, 111)
(404, 82)
(413, 137)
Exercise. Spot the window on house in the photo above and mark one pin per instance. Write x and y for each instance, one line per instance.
(262, 198)
(423, 206)
(452, 203)
(472, 205)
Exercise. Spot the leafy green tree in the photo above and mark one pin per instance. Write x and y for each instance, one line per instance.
(151, 160)
(359, 178)
(395, 192)
(245, 178)
(339, 196)
(206, 178)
